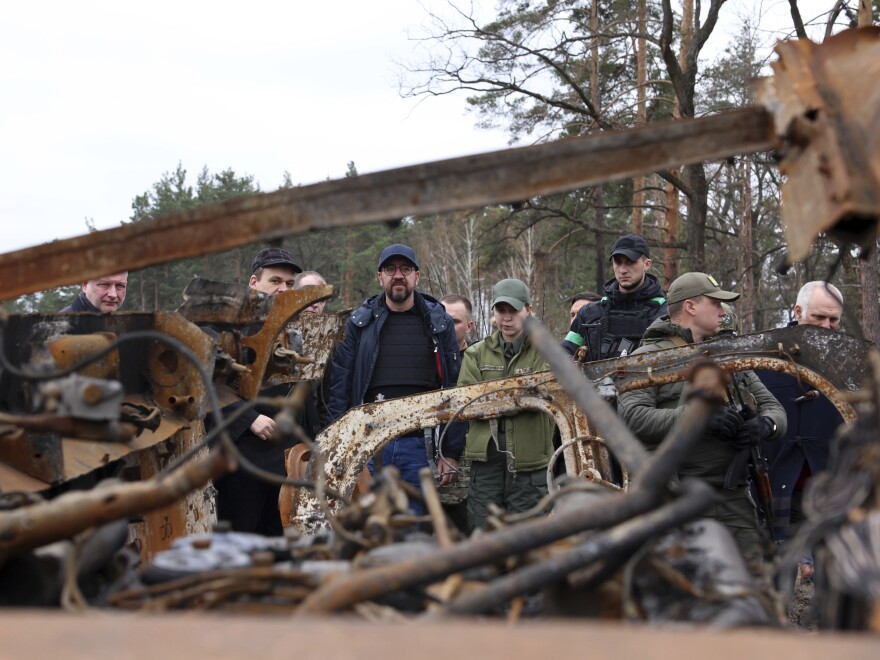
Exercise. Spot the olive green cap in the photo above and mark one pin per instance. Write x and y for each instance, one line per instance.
(691, 285)
(513, 292)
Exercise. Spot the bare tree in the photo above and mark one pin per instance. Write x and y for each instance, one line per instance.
(547, 70)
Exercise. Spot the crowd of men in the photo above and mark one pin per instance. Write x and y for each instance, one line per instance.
(403, 341)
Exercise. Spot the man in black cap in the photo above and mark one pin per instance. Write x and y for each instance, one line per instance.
(247, 503)
(614, 326)
(752, 415)
(398, 343)
(273, 271)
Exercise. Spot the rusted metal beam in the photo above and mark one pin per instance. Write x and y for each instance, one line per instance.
(832, 362)
(458, 183)
(69, 514)
(825, 100)
(631, 453)
(284, 307)
(695, 498)
(353, 439)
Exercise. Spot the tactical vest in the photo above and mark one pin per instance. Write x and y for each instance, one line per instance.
(620, 333)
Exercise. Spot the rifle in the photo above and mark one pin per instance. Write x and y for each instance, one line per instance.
(759, 471)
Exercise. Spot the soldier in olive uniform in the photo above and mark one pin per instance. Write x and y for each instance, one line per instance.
(752, 416)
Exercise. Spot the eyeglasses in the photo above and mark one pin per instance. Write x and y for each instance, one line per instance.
(405, 270)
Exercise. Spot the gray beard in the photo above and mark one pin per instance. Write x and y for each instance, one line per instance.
(399, 297)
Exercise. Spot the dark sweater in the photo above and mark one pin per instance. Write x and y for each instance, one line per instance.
(406, 363)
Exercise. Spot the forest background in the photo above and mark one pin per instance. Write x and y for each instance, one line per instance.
(542, 71)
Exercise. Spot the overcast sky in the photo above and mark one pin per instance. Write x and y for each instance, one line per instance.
(98, 99)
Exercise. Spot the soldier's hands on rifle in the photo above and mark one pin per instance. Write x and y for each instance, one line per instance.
(725, 423)
(753, 431)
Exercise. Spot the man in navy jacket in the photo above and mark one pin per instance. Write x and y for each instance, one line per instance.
(398, 343)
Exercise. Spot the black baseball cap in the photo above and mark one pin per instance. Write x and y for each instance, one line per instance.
(274, 257)
(397, 250)
(631, 246)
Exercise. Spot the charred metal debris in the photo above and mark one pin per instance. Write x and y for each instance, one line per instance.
(104, 463)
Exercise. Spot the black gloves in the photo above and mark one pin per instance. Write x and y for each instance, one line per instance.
(753, 431)
(725, 423)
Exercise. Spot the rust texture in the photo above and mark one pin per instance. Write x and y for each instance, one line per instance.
(250, 329)
(69, 514)
(175, 383)
(825, 101)
(37, 455)
(352, 440)
(832, 362)
(284, 307)
(453, 184)
(71, 349)
(321, 334)
(194, 513)
(813, 354)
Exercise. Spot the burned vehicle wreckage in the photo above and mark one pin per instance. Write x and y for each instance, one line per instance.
(103, 454)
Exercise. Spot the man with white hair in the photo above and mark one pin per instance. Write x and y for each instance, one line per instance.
(819, 303)
(812, 421)
(310, 278)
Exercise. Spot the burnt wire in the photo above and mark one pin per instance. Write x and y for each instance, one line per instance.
(245, 464)
(208, 439)
(135, 335)
(462, 408)
(221, 424)
(598, 481)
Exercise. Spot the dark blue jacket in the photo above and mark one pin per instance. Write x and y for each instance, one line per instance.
(355, 357)
(812, 423)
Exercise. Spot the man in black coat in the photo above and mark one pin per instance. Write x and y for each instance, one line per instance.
(101, 295)
(634, 299)
(812, 421)
(250, 504)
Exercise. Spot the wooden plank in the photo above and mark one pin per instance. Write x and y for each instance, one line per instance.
(458, 183)
(41, 634)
